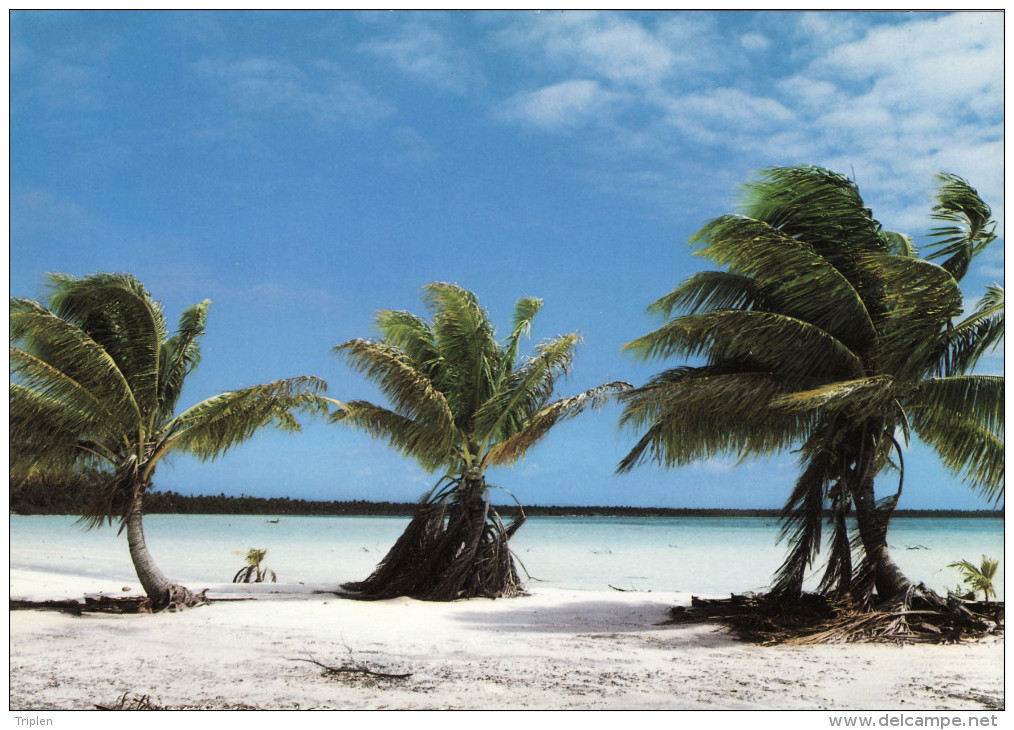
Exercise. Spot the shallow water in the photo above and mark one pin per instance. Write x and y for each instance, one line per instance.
(703, 555)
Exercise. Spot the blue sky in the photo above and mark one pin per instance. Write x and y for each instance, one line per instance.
(303, 170)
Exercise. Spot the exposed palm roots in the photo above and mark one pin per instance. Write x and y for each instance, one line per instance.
(918, 616)
(451, 549)
(177, 598)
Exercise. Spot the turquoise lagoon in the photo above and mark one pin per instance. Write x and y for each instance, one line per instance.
(700, 555)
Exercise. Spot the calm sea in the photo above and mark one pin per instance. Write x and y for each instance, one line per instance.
(703, 555)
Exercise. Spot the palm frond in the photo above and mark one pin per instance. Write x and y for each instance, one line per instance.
(802, 522)
(699, 413)
(756, 337)
(978, 398)
(432, 448)
(412, 335)
(970, 450)
(963, 344)
(217, 424)
(412, 393)
(48, 435)
(796, 278)
(709, 291)
(899, 244)
(120, 315)
(524, 391)
(858, 399)
(535, 427)
(525, 309)
(467, 344)
(968, 225)
(815, 205)
(181, 353)
(66, 349)
(921, 300)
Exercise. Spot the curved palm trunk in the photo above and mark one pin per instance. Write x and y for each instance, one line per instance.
(889, 581)
(162, 593)
(451, 549)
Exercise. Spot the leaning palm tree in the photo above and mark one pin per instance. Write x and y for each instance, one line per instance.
(461, 402)
(95, 378)
(827, 334)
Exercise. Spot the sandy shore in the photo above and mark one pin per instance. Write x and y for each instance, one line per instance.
(555, 649)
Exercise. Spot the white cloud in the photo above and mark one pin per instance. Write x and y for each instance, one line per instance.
(755, 42)
(713, 116)
(607, 46)
(561, 106)
(423, 53)
(321, 92)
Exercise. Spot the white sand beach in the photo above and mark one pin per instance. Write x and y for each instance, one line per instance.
(554, 649)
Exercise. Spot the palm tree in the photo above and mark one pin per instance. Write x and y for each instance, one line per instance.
(461, 402)
(252, 572)
(979, 578)
(95, 381)
(830, 335)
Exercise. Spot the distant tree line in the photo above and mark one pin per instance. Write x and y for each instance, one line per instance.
(46, 496)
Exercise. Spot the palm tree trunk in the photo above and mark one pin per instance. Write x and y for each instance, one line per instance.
(161, 592)
(889, 581)
(455, 548)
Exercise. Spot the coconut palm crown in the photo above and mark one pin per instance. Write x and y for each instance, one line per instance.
(827, 334)
(460, 402)
(95, 381)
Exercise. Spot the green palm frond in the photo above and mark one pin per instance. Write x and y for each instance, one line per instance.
(412, 393)
(525, 309)
(921, 299)
(180, 355)
(535, 427)
(755, 337)
(968, 228)
(979, 577)
(976, 397)
(797, 280)
(802, 521)
(699, 413)
(972, 452)
(120, 315)
(217, 424)
(412, 335)
(963, 344)
(815, 205)
(50, 436)
(899, 244)
(524, 391)
(433, 448)
(467, 344)
(710, 291)
(57, 350)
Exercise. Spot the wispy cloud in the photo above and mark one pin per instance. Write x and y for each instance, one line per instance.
(38, 212)
(321, 92)
(893, 102)
(564, 106)
(423, 53)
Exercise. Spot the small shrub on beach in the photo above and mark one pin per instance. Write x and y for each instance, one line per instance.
(979, 579)
(252, 572)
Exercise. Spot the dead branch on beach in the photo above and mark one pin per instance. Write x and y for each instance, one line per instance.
(814, 619)
(330, 671)
(100, 604)
(137, 702)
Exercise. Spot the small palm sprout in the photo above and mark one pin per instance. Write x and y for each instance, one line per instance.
(253, 573)
(981, 578)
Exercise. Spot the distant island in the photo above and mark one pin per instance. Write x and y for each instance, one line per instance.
(47, 499)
